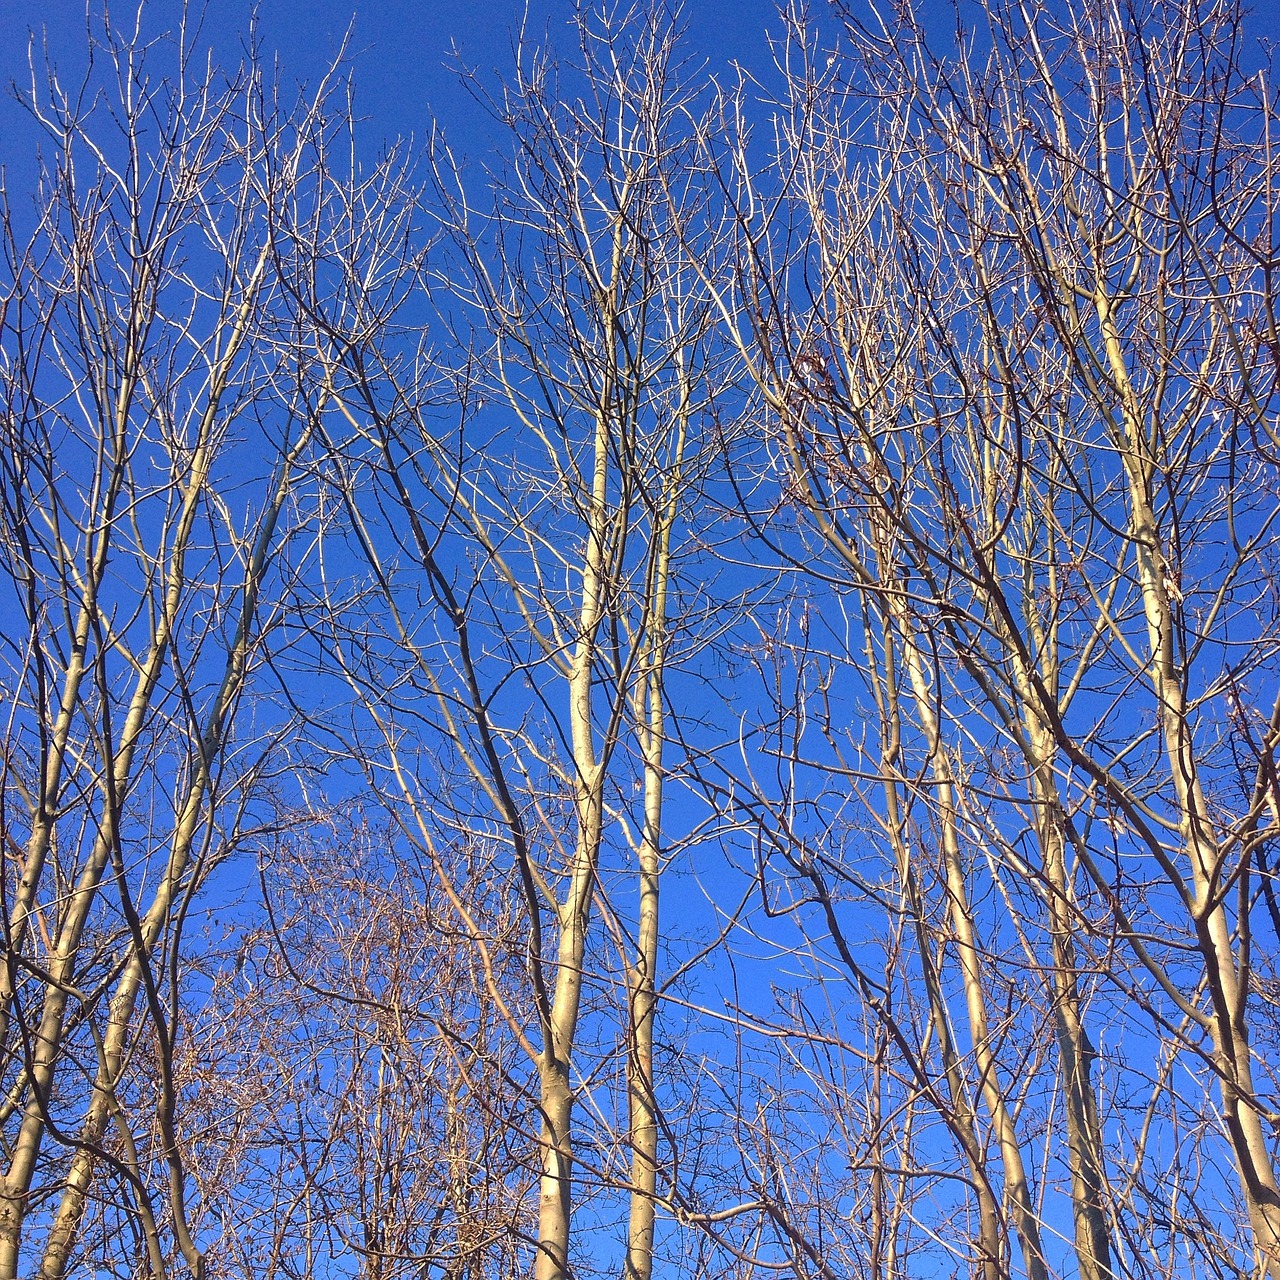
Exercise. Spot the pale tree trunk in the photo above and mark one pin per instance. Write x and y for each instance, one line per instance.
(642, 979)
(962, 1120)
(62, 965)
(555, 1204)
(1076, 1053)
(1226, 981)
(115, 784)
(147, 931)
(1017, 1188)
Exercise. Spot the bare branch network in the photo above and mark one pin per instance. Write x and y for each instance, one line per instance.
(702, 700)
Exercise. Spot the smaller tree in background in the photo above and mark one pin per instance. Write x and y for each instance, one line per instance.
(351, 1094)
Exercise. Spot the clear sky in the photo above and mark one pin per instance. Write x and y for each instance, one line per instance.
(404, 50)
(406, 73)
(406, 68)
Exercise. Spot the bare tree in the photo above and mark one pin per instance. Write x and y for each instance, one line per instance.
(350, 1090)
(525, 557)
(1013, 321)
(156, 422)
(483, 491)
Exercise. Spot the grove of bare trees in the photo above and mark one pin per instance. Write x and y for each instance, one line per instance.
(699, 696)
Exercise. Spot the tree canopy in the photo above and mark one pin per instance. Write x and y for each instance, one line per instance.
(700, 696)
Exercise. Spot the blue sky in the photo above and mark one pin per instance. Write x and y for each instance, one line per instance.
(403, 55)
(405, 51)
